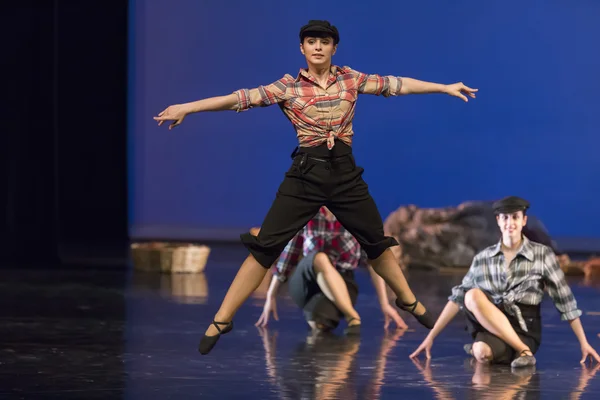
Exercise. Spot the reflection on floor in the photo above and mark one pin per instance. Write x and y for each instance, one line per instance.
(99, 334)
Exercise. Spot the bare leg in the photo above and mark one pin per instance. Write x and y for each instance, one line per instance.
(334, 286)
(388, 268)
(492, 319)
(247, 280)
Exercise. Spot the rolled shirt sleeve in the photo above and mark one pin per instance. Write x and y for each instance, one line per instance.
(378, 85)
(264, 95)
(558, 289)
(468, 282)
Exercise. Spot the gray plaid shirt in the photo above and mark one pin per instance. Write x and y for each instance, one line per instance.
(534, 268)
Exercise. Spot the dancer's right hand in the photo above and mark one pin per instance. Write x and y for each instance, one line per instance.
(174, 113)
(270, 305)
(425, 345)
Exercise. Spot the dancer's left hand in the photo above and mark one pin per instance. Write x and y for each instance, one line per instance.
(588, 351)
(460, 90)
(391, 314)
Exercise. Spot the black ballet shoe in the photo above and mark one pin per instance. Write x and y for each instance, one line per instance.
(425, 319)
(352, 329)
(208, 342)
(524, 360)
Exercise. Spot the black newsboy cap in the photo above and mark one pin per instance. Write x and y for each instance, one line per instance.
(509, 205)
(319, 27)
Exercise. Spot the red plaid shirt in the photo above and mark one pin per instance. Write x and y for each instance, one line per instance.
(320, 114)
(327, 236)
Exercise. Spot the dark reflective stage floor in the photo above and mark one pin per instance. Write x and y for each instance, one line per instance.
(95, 334)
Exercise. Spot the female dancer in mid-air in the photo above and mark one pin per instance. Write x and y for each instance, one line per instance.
(320, 103)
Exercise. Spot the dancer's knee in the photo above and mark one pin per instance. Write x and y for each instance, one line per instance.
(385, 259)
(473, 299)
(264, 253)
(261, 259)
(482, 352)
(381, 256)
(321, 262)
(380, 251)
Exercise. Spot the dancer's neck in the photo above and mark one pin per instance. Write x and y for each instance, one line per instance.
(511, 243)
(320, 73)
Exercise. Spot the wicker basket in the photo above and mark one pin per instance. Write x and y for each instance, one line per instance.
(170, 258)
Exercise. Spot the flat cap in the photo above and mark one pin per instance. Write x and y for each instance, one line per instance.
(509, 205)
(319, 27)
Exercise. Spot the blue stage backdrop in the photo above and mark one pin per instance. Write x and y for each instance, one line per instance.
(533, 131)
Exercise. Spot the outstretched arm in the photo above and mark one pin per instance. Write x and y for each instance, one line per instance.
(391, 85)
(240, 100)
(414, 86)
(178, 112)
(219, 103)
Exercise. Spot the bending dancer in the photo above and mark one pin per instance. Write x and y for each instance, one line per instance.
(318, 264)
(320, 103)
(502, 292)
